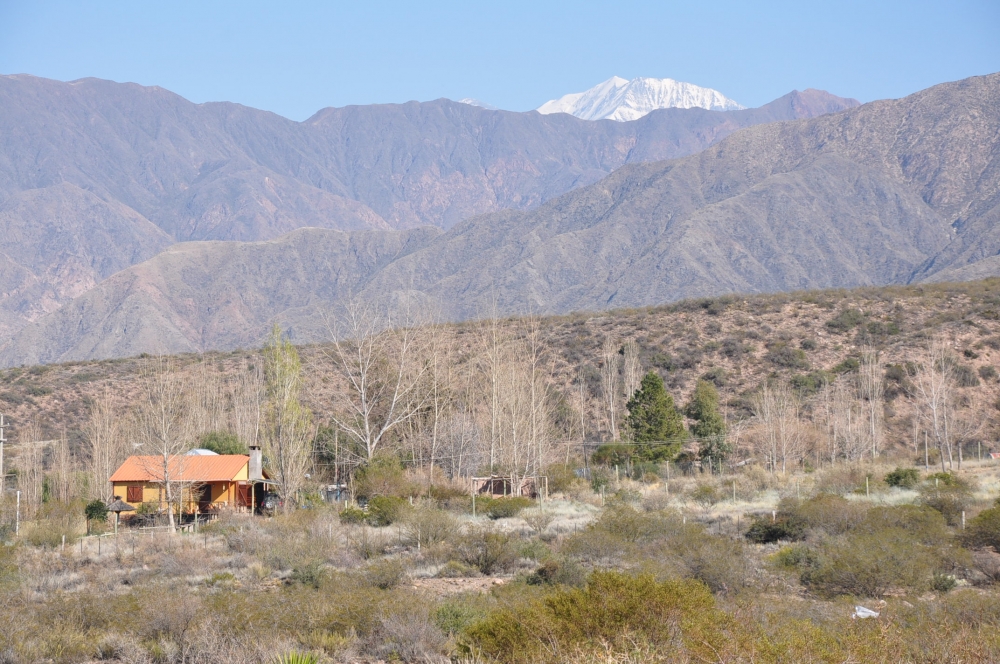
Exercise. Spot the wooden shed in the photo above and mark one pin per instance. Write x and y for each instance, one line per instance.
(200, 483)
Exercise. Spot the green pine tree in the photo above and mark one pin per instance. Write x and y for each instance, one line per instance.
(708, 426)
(654, 422)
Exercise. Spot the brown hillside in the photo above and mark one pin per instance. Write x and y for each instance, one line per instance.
(738, 341)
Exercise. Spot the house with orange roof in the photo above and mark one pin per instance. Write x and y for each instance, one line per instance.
(202, 481)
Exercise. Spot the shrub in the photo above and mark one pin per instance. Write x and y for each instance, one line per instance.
(870, 564)
(764, 530)
(988, 372)
(506, 508)
(846, 366)
(96, 510)
(795, 556)
(427, 526)
(599, 479)
(783, 355)
(948, 494)
(810, 383)
(903, 478)
(54, 521)
(734, 349)
(352, 515)
(385, 510)
(614, 609)
(965, 376)
(456, 613)
(561, 477)
(944, 479)
(808, 344)
(453, 569)
(557, 573)
(630, 525)
(984, 529)
(942, 583)
(296, 657)
(825, 512)
(382, 476)
(309, 574)
(705, 495)
(488, 550)
(716, 375)
(720, 563)
(923, 524)
(385, 574)
(538, 520)
(845, 321)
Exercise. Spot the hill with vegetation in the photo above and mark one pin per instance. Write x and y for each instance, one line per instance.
(789, 516)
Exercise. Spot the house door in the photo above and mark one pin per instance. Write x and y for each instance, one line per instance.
(243, 494)
(205, 498)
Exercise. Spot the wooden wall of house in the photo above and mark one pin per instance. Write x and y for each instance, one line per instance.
(223, 494)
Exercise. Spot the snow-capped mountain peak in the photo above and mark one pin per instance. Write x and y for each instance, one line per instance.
(476, 102)
(623, 100)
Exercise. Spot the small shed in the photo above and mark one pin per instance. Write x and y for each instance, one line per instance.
(498, 486)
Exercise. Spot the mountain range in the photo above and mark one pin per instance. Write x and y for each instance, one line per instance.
(894, 191)
(97, 176)
(623, 100)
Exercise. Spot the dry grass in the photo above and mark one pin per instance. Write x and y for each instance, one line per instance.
(250, 589)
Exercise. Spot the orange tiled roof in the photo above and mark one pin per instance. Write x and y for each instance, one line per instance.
(214, 468)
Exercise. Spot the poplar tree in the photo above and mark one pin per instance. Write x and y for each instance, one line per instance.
(288, 430)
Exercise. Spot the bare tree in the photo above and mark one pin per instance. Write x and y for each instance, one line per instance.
(106, 444)
(247, 393)
(539, 406)
(776, 409)
(62, 469)
(494, 344)
(871, 389)
(610, 385)
(934, 389)
(631, 369)
(288, 430)
(377, 364)
(207, 399)
(29, 463)
(967, 421)
(163, 427)
(439, 399)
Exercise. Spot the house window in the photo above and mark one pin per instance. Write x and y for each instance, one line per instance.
(134, 494)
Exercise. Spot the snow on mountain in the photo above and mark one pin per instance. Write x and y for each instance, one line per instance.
(475, 102)
(622, 100)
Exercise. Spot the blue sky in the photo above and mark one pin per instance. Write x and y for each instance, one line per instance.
(294, 58)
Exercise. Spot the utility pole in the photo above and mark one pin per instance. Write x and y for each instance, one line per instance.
(3, 476)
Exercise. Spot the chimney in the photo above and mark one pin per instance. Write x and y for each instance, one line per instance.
(256, 463)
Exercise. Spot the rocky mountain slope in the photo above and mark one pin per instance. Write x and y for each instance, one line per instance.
(104, 175)
(623, 100)
(890, 192)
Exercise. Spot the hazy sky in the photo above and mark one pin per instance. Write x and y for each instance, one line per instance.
(297, 57)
